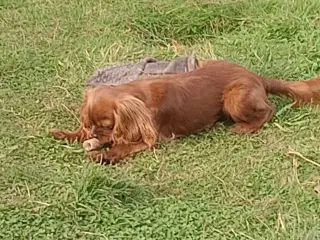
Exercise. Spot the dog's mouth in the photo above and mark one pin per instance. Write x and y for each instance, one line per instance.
(107, 145)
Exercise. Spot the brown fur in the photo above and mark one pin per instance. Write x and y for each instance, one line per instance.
(133, 116)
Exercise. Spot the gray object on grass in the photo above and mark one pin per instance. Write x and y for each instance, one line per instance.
(146, 68)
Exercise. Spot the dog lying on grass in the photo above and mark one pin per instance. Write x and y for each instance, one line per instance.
(132, 117)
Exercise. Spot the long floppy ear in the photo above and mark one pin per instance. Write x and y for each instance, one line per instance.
(133, 122)
(84, 115)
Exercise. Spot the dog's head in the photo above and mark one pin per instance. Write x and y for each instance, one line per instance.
(117, 117)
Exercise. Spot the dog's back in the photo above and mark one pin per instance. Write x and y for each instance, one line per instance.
(188, 103)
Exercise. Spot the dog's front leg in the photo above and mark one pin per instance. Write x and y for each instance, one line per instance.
(79, 135)
(116, 153)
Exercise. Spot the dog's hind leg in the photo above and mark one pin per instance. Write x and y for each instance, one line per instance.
(246, 102)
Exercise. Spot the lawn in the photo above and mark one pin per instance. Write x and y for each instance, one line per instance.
(214, 185)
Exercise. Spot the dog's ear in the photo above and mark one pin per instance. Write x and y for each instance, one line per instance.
(84, 113)
(133, 122)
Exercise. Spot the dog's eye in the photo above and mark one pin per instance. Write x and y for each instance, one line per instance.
(106, 124)
(110, 127)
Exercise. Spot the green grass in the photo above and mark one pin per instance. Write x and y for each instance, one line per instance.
(214, 185)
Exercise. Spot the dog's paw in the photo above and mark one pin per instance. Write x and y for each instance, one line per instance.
(103, 157)
(244, 128)
(95, 156)
(57, 134)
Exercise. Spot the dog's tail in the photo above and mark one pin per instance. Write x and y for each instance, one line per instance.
(304, 91)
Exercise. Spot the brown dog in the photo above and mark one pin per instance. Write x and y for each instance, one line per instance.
(133, 116)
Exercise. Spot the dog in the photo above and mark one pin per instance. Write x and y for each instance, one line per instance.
(132, 117)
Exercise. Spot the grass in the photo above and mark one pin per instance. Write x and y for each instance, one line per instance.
(214, 185)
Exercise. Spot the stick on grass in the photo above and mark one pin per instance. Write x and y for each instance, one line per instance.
(304, 158)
